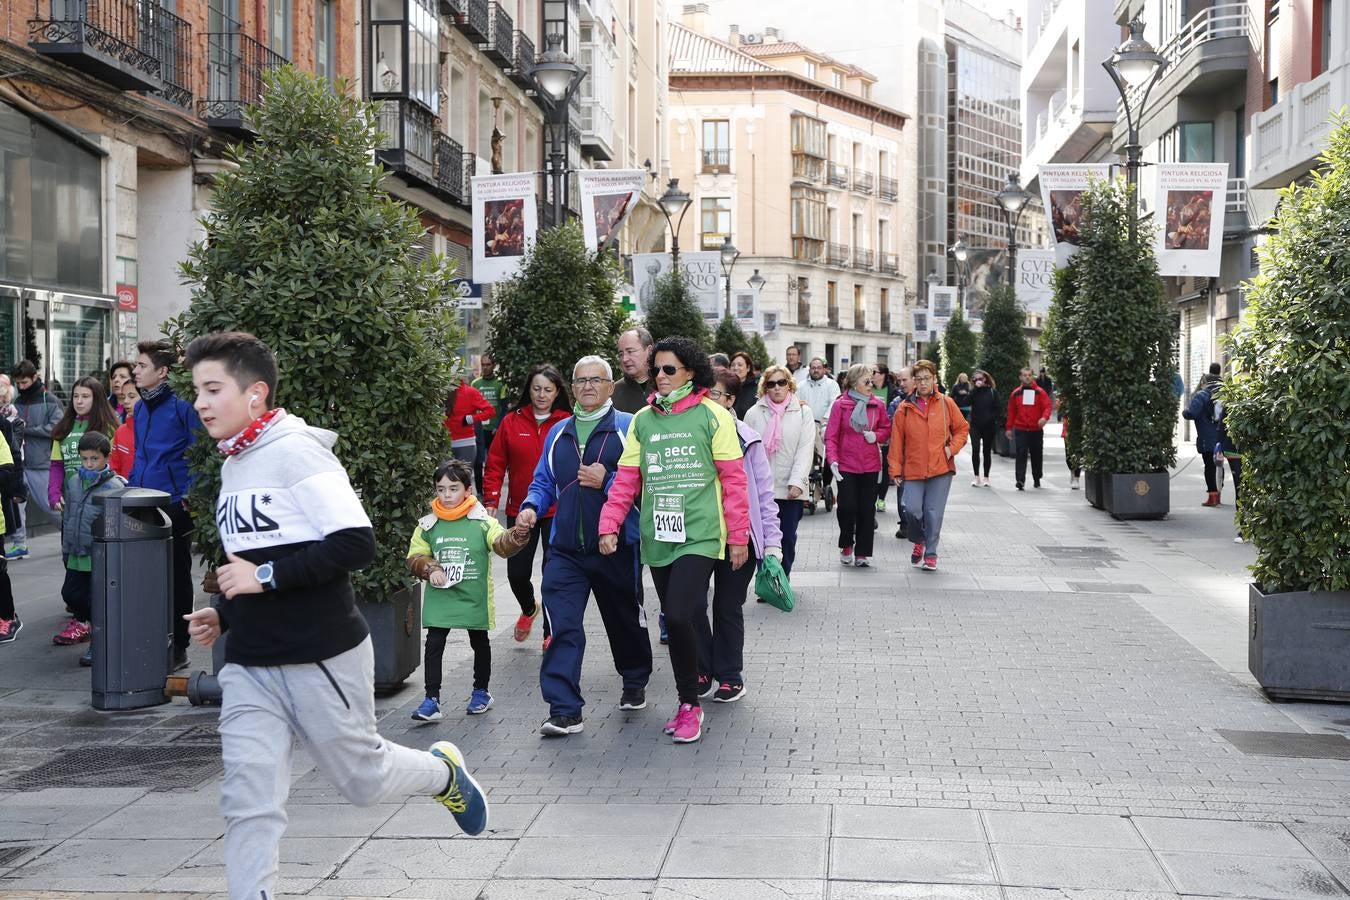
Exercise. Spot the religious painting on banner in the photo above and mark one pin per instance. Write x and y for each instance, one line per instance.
(608, 197)
(941, 303)
(1062, 187)
(1191, 202)
(505, 220)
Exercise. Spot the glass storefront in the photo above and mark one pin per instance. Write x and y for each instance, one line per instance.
(67, 335)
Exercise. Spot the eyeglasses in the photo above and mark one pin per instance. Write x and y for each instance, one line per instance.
(592, 381)
(715, 394)
(666, 369)
(923, 379)
(776, 383)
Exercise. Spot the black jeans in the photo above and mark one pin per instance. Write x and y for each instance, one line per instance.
(683, 589)
(1032, 444)
(520, 568)
(789, 517)
(78, 593)
(1234, 466)
(435, 649)
(182, 573)
(6, 592)
(721, 647)
(1211, 472)
(981, 439)
(855, 508)
(484, 445)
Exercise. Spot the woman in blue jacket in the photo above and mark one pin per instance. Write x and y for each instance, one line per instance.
(1201, 411)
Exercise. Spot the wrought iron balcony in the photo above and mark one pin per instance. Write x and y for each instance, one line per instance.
(862, 259)
(409, 146)
(888, 263)
(119, 42)
(717, 160)
(862, 182)
(836, 254)
(888, 188)
(448, 169)
(522, 60)
(472, 18)
(175, 68)
(501, 35)
(235, 64)
(838, 175)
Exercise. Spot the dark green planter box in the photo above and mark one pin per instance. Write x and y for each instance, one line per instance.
(1298, 644)
(1136, 496)
(1092, 488)
(396, 637)
(1003, 446)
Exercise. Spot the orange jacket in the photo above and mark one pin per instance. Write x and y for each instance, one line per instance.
(918, 438)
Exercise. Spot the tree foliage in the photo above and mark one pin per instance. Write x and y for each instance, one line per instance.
(759, 352)
(1058, 340)
(308, 252)
(1124, 336)
(730, 338)
(674, 313)
(1004, 349)
(559, 308)
(1288, 402)
(960, 348)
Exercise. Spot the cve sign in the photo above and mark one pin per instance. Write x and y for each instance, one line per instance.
(128, 299)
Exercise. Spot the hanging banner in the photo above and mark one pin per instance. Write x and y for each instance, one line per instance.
(1035, 280)
(745, 307)
(1191, 201)
(918, 323)
(505, 218)
(1062, 189)
(702, 272)
(608, 197)
(941, 304)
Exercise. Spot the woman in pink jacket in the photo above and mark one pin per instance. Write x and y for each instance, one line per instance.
(684, 457)
(858, 423)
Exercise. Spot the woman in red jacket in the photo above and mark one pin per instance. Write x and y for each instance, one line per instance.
(465, 407)
(515, 452)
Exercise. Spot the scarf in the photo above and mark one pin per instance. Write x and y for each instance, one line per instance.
(88, 476)
(582, 416)
(451, 513)
(245, 439)
(773, 435)
(859, 418)
(154, 393)
(667, 403)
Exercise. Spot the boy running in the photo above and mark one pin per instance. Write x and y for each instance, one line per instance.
(299, 660)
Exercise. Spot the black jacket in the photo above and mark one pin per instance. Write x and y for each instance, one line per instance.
(984, 408)
(961, 394)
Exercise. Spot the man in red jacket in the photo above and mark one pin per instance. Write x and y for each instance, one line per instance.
(465, 406)
(1028, 411)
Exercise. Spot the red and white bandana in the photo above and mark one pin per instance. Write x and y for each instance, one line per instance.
(244, 439)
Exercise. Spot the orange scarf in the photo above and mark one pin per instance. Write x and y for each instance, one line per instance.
(450, 514)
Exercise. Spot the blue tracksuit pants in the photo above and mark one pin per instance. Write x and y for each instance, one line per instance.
(569, 580)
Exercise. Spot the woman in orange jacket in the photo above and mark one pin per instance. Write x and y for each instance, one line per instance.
(927, 432)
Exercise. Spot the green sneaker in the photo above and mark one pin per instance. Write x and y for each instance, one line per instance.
(463, 797)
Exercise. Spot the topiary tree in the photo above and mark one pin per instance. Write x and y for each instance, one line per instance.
(308, 252)
(1124, 342)
(1288, 402)
(673, 312)
(559, 308)
(1058, 340)
(730, 338)
(759, 352)
(1004, 349)
(960, 348)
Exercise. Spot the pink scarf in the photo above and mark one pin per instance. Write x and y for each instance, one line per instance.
(773, 437)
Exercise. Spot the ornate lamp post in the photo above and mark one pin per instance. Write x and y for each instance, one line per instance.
(557, 78)
(1013, 198)
(729, 256)
(674, 204)
(960, 251)
(1134, 66)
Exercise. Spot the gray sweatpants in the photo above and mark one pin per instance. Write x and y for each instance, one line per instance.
(331, 707)
(924, 502)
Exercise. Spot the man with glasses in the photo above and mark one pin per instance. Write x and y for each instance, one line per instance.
(819, 390)
(635, 359)
(581, 455)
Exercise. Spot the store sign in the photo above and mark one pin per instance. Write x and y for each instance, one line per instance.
(128, 298)
(468, 294)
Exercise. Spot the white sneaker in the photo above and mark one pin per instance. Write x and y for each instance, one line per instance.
(976, 482)
(846, 557)
(1239, 540)
(1073, 485)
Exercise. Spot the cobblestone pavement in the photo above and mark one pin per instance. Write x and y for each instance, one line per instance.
(1044, 717)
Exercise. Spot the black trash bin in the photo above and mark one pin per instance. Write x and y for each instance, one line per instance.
(133, 599)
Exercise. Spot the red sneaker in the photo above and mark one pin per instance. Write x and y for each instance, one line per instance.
(548, 640)
(525, 624)
(916, 557)
(930, 563)
(75, 632)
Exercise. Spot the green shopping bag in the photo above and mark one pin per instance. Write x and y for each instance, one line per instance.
(771, 585)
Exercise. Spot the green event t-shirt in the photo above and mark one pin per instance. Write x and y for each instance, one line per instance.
(492, 390)
(681, 491)
(67, 450)
(463, 548)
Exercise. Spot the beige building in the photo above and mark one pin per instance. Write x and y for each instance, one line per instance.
(783, 150)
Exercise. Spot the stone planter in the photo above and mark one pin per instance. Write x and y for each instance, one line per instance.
(396, 637)
(1298, 644)
(1092, 488)
(1135, 496)
(1003, 446)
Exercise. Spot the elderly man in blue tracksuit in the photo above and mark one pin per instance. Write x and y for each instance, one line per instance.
(581, 455)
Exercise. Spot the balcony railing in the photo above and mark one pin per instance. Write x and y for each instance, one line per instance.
(836, 254)
(175, 68)
(862, 181)
(838, 175)
(501, 36)
(522, 60)
(235, 64)
(888, 263)
(409, 147)
(472, 18)
(448, 169)
(862, 259)
(1222, 20)
(885, 322)
(888, 188)
(717, 160)
(1288, 138)
(859, 318)
(119, 42)
(832, 315)
(1235, 207)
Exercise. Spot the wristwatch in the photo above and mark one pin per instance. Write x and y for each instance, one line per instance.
(265, 576)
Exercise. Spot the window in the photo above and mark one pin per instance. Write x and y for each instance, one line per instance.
(837, 79)
(1322, 36)
(1273, 49)
(810, 70)
(459, 108)
(716, 145)
(279, 27)
(809, 222)
(716, 221)
(832, 304)
(809, 136)
(859, 309)
(1189, 142)
(325, 39)
(885, 323)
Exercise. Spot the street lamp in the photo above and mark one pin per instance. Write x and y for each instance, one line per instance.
(674, 204)
(729, 256)
(1013, 198)
(960, 251)
(556, 78)
(756, 282)
(1134, 66)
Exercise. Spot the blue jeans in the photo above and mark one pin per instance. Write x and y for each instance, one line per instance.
(924, 502)
(789, 517)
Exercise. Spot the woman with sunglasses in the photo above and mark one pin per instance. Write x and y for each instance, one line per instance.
(788, 428)
(514, 453)
(858, 423)
(684, 457)
(984, 412)
(926, 435)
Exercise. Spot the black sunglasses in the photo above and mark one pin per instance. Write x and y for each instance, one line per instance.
(667, 369)
(777, 382)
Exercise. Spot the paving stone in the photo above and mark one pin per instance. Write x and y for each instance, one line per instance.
(636, 857)
(746, 820)
(80, 858)
(1061, 829)
(742, 856)
(1078, 867)
(737, 889)
(863, 890)
(897, 823)
(924, 861)
(606, 820)
(340, 819)
(555, 889)
(421, 888)
(419, 819)
(299, 857)
(1208, 836)
(157, 819)
(397, 858)
(1267, 877)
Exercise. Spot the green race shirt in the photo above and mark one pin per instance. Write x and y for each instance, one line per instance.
(492, 390)
(463, 548)
(68, 450)
(681, 492)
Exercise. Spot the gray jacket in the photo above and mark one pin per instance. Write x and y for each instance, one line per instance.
(40, 411)
(77, 522)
